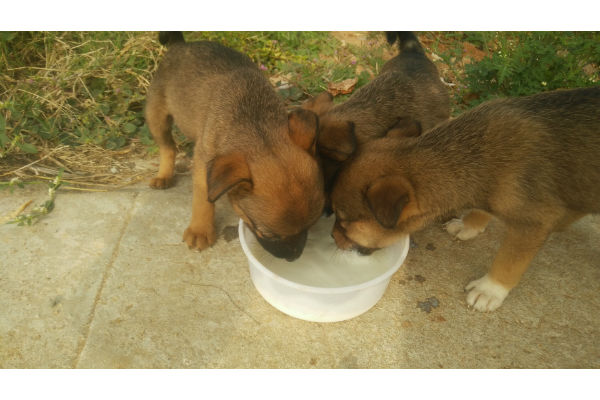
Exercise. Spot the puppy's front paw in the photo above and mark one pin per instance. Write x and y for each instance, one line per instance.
(485, 294)
(161, 183)
(199, 239)
(456, 227)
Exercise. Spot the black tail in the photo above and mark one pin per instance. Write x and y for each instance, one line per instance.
(407, 41)
(168, 38)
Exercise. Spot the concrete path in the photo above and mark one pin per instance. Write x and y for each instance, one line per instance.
(104, 281)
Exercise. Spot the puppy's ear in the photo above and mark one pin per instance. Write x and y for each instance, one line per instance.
(319, 104)
(303, 127)
(405, 127)
(224, 173)
(337, 140)
(386, 198)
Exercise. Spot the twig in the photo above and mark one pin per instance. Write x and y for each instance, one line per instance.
(58, 106)
(40, 68)
(34, 162)
(15, 213)
(132, 180)
(84, 189)
(446, 83)
(61, 165)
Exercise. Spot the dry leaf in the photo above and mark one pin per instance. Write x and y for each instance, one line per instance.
(472, 52)
(344, 87)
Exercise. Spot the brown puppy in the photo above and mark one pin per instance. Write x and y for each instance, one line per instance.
(246, 145)
(532, 162)
(407, 93)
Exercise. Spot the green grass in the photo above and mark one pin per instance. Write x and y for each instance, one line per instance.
(89, 87)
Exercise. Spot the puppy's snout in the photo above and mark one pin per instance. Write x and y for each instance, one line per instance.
(341, 241)
(289, 248)
(365, 251)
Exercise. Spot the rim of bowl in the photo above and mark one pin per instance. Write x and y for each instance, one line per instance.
(318, 289)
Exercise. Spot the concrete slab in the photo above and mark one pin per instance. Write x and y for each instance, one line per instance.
(105, 282)
(50, 274)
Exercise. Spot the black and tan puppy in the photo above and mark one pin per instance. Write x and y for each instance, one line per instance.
(246, 145)
(532, 162)
(408, 93)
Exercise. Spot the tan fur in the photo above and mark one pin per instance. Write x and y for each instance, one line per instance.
(532, 162)
(246, 145)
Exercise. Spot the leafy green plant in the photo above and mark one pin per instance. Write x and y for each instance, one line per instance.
(40, 210)
(523, 63)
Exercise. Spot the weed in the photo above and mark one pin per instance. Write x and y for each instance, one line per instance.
(521, 63)
(40, 210)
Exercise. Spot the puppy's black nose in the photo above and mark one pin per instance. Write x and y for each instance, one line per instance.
(289, 248)
(363, 251)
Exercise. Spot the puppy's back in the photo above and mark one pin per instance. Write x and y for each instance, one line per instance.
(570, 143)
(206, 86)
(547, 145)
(183, 60)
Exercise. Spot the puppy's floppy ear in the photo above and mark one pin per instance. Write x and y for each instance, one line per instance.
(303, 127)
(319, 104)
(223, 173)
(337, 140)
(405, 127)
(386, 198)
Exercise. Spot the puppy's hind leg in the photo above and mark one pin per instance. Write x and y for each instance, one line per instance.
(516, 253)
(160, 123)
(468, 226)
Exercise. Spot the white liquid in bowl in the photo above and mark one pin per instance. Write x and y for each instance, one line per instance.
(322, 264)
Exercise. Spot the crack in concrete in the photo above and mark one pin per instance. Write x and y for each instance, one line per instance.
(228, 295)
(108, 268)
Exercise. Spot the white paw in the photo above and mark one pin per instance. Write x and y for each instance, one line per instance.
(485, 294)
(457, 228)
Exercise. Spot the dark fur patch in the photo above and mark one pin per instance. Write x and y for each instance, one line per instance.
(168, 38)
(407, 41)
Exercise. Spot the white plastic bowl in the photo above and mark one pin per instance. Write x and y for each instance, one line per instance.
(315, 303)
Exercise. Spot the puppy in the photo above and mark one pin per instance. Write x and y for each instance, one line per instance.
(408, 93)
(246, 145)
(532, 162)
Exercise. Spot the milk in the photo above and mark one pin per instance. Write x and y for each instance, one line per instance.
(322, 264)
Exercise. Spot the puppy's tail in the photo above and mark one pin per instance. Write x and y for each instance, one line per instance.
(407, 41)
(168, 38)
